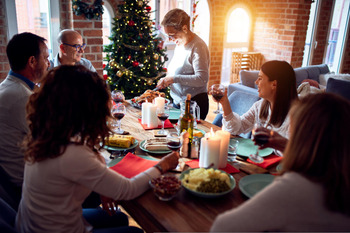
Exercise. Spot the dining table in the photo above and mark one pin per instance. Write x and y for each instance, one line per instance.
(185, 212)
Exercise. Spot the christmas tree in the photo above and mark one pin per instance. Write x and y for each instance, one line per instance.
(135, 58)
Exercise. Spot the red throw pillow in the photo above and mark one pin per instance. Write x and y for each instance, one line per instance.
(312, 83)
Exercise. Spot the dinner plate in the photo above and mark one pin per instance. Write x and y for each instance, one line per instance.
(118, 159)
(142, 147)
(208, 195)
(174, 114)
(246, 147)
(252, 184)
(114, 148)
(202, 131)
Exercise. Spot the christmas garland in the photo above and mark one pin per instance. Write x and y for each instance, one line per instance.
(91, 11)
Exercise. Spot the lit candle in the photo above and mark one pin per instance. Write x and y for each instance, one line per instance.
(210, 150)
(144, 112)
(152, 119)
(224, 141)
(160, 103)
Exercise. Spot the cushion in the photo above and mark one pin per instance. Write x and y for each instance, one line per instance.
(313, 72)
(305, 89)
(324, 77)
(248, 78)
(300, 75)
(340, 87)
(312, 83)
(323, 68)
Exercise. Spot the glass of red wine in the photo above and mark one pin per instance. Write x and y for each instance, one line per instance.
(117, 96)
(260, 134)
(162, 115)
(118, 112)
(217, 91)
(174, 141)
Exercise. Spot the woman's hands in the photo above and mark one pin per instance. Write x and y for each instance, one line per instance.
(109, 205)
(169, 162)
(276, 141)
(226, 107)
(165, 82)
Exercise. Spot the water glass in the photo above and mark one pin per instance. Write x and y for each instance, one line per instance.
(232, 150)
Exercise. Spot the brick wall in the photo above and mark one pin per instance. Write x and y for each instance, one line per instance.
(4, 67)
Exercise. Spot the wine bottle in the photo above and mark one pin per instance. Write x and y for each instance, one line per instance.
(186, 123)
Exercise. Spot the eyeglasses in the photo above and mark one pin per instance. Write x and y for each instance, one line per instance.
(78, 47)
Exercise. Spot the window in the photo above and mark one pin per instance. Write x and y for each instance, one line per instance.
(236, 39)
(36, 16)
(107, 20)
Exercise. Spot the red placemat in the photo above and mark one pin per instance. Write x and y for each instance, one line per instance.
(268, 161)
(167, 125)
(195, 164)
(131, 165)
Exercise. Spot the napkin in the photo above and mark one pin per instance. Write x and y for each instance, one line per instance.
(131, 165)
(195, 164)
(268, 161)
(167, 124)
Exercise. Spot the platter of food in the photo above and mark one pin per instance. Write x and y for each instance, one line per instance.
(148, 96)
(120, 142)
(155, 146)
(207, 183)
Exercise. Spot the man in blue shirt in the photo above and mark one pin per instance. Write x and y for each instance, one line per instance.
(28, 57)
(71, 50)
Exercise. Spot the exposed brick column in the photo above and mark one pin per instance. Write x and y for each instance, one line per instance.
(4, 66)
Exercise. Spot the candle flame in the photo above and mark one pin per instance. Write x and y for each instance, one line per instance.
(212, 132)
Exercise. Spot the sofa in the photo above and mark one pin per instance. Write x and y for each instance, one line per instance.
(248, 78)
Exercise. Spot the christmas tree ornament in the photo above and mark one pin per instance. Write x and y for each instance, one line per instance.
(148, 8)
(156, 56)
(131, 23)
(89, 10)
(135, 64)
(112, 63)
(119, 73)
(140, 3)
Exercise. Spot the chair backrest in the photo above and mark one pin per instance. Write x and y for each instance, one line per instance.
(7, 217)
(340, 87)
(240, 103)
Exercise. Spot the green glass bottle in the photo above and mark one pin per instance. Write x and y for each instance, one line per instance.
(186, 122)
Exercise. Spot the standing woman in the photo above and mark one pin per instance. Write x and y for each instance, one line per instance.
(68, 118)
(188, 71)
(277, 88)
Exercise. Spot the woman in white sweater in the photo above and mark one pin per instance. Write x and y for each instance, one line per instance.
(313, 191)
(277, 87)
(68, 118)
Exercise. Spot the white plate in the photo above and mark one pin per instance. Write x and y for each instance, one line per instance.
(114, 148)
(142, 147)
(208, 195)
(252, 184)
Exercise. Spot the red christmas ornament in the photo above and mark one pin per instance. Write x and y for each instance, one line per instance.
(105, 76)
(165, 69)
(104, 66)
(148, 8)
(135, 63)
(131, 23)
(129, 57)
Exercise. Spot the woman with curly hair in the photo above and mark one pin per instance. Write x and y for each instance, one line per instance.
(68, 118)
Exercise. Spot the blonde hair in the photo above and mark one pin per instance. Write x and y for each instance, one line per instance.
(176, 18)
(319, 147)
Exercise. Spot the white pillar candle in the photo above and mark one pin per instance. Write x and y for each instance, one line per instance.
(224, 137)
(152, 119)
(144, 112)
(159, 102)
(210, 151)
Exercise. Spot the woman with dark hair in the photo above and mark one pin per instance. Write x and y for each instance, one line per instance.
(68, 121)
(277, 88)
(312, 193)
(188, 71)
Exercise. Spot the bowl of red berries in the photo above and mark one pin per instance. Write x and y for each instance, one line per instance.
(165, 187)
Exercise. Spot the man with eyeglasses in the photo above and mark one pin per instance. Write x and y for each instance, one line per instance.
(71, 50)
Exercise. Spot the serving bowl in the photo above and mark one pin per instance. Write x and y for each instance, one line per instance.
(232, 185)
(165, 187)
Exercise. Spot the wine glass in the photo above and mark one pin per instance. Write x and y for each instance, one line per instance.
(118, 112)
(217, 91)
(261, 134)
(117, 96)
(162, 115)
(174, 141)
(232, 150)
